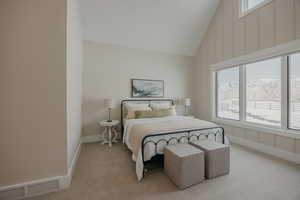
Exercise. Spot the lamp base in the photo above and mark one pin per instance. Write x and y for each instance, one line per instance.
(109, 119)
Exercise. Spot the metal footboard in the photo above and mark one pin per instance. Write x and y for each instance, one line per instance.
(186, 137)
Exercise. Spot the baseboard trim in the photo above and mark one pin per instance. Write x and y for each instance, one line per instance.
(91, 138)
(65, 182)
(292, 157)
(47, 185)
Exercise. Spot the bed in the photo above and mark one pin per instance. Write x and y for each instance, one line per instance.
(147, 137)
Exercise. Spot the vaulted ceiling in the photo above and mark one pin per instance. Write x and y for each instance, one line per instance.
(171, 26)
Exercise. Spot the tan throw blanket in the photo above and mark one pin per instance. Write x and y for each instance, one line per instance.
(139, 131)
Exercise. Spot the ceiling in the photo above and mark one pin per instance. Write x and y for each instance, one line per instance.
(171, 26)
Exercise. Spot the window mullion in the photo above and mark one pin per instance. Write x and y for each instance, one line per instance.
(246, 5)
(284, 92)
(215, 93)
(242, 93)
(243, 4)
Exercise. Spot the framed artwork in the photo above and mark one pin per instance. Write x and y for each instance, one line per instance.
(147, 88)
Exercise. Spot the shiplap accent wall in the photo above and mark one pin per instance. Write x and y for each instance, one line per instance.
(229, 36)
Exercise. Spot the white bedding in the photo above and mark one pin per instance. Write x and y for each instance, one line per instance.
(149, 150)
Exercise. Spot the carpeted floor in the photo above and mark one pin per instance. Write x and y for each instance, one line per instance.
(108, 173)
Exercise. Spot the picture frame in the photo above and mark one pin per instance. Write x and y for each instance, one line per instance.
(143, 88)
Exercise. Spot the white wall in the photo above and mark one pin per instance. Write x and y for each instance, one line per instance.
(74, 80)
(33, 90)
(41, 60)
(229, 36)
(108, 70)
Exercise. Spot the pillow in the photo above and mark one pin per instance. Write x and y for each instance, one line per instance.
(164, 105)
(147, 114)
(155, 113)
(131, 108)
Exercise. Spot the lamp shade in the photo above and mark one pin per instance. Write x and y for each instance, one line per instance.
(187, 102)
(109, 103)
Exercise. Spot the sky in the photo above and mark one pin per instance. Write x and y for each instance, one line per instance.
(267, 69)
(253, 3)
(228, 75)
(295, 66)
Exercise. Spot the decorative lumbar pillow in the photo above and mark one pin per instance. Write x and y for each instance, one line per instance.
(155, 113)
(147, 114)
(131, 108)
(163, 105)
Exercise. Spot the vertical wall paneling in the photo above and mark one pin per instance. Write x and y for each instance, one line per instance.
(285, 143)
(266, 139)
(212, 43)
(206, 81)
(267, 26)
(211, 55)
(252, 135)
(239, 132)
(252, 30)
(295, 145)
(238, 31)
(228, 130)
(230, 36)
(199, 73)
(298, 146)
(297, 12)
(219, 32)
(285, 21)
(228, 28)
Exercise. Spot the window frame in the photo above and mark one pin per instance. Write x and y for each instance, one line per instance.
(281, 95)
(283, 51)
(244, 10)
(216, 94)
(289, 92)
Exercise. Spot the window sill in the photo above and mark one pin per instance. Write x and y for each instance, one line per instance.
(260, 128)
(247, 12)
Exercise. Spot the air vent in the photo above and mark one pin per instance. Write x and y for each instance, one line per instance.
(12, 194)
(43, 188)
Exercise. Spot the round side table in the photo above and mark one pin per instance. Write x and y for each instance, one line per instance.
(109, 128)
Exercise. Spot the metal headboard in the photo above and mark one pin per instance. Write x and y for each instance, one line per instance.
(123, 102)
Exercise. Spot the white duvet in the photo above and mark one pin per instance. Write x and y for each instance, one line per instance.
(149, 150)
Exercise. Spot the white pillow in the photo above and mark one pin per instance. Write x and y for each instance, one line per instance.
(131, 108)
(173, 110)
(164, 105)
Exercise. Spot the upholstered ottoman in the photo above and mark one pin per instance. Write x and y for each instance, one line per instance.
(184, 164)
(217, 157)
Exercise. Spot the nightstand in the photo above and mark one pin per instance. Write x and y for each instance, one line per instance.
(109, 129)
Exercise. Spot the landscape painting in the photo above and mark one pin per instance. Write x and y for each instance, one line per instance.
(147, 88)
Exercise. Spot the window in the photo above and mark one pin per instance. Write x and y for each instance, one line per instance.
(253, 3)
(294, 91)
(228, 93)
(260, 91)
(263, 92)
(247, 6)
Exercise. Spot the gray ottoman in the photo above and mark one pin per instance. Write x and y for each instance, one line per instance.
(217, 157)
(184, 164)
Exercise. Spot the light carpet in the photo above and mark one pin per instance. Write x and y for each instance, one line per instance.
(108, 173)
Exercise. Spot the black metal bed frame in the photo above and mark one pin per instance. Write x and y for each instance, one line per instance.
(190, 135)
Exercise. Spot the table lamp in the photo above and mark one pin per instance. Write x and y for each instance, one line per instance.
(187, 104)
(109, 104)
